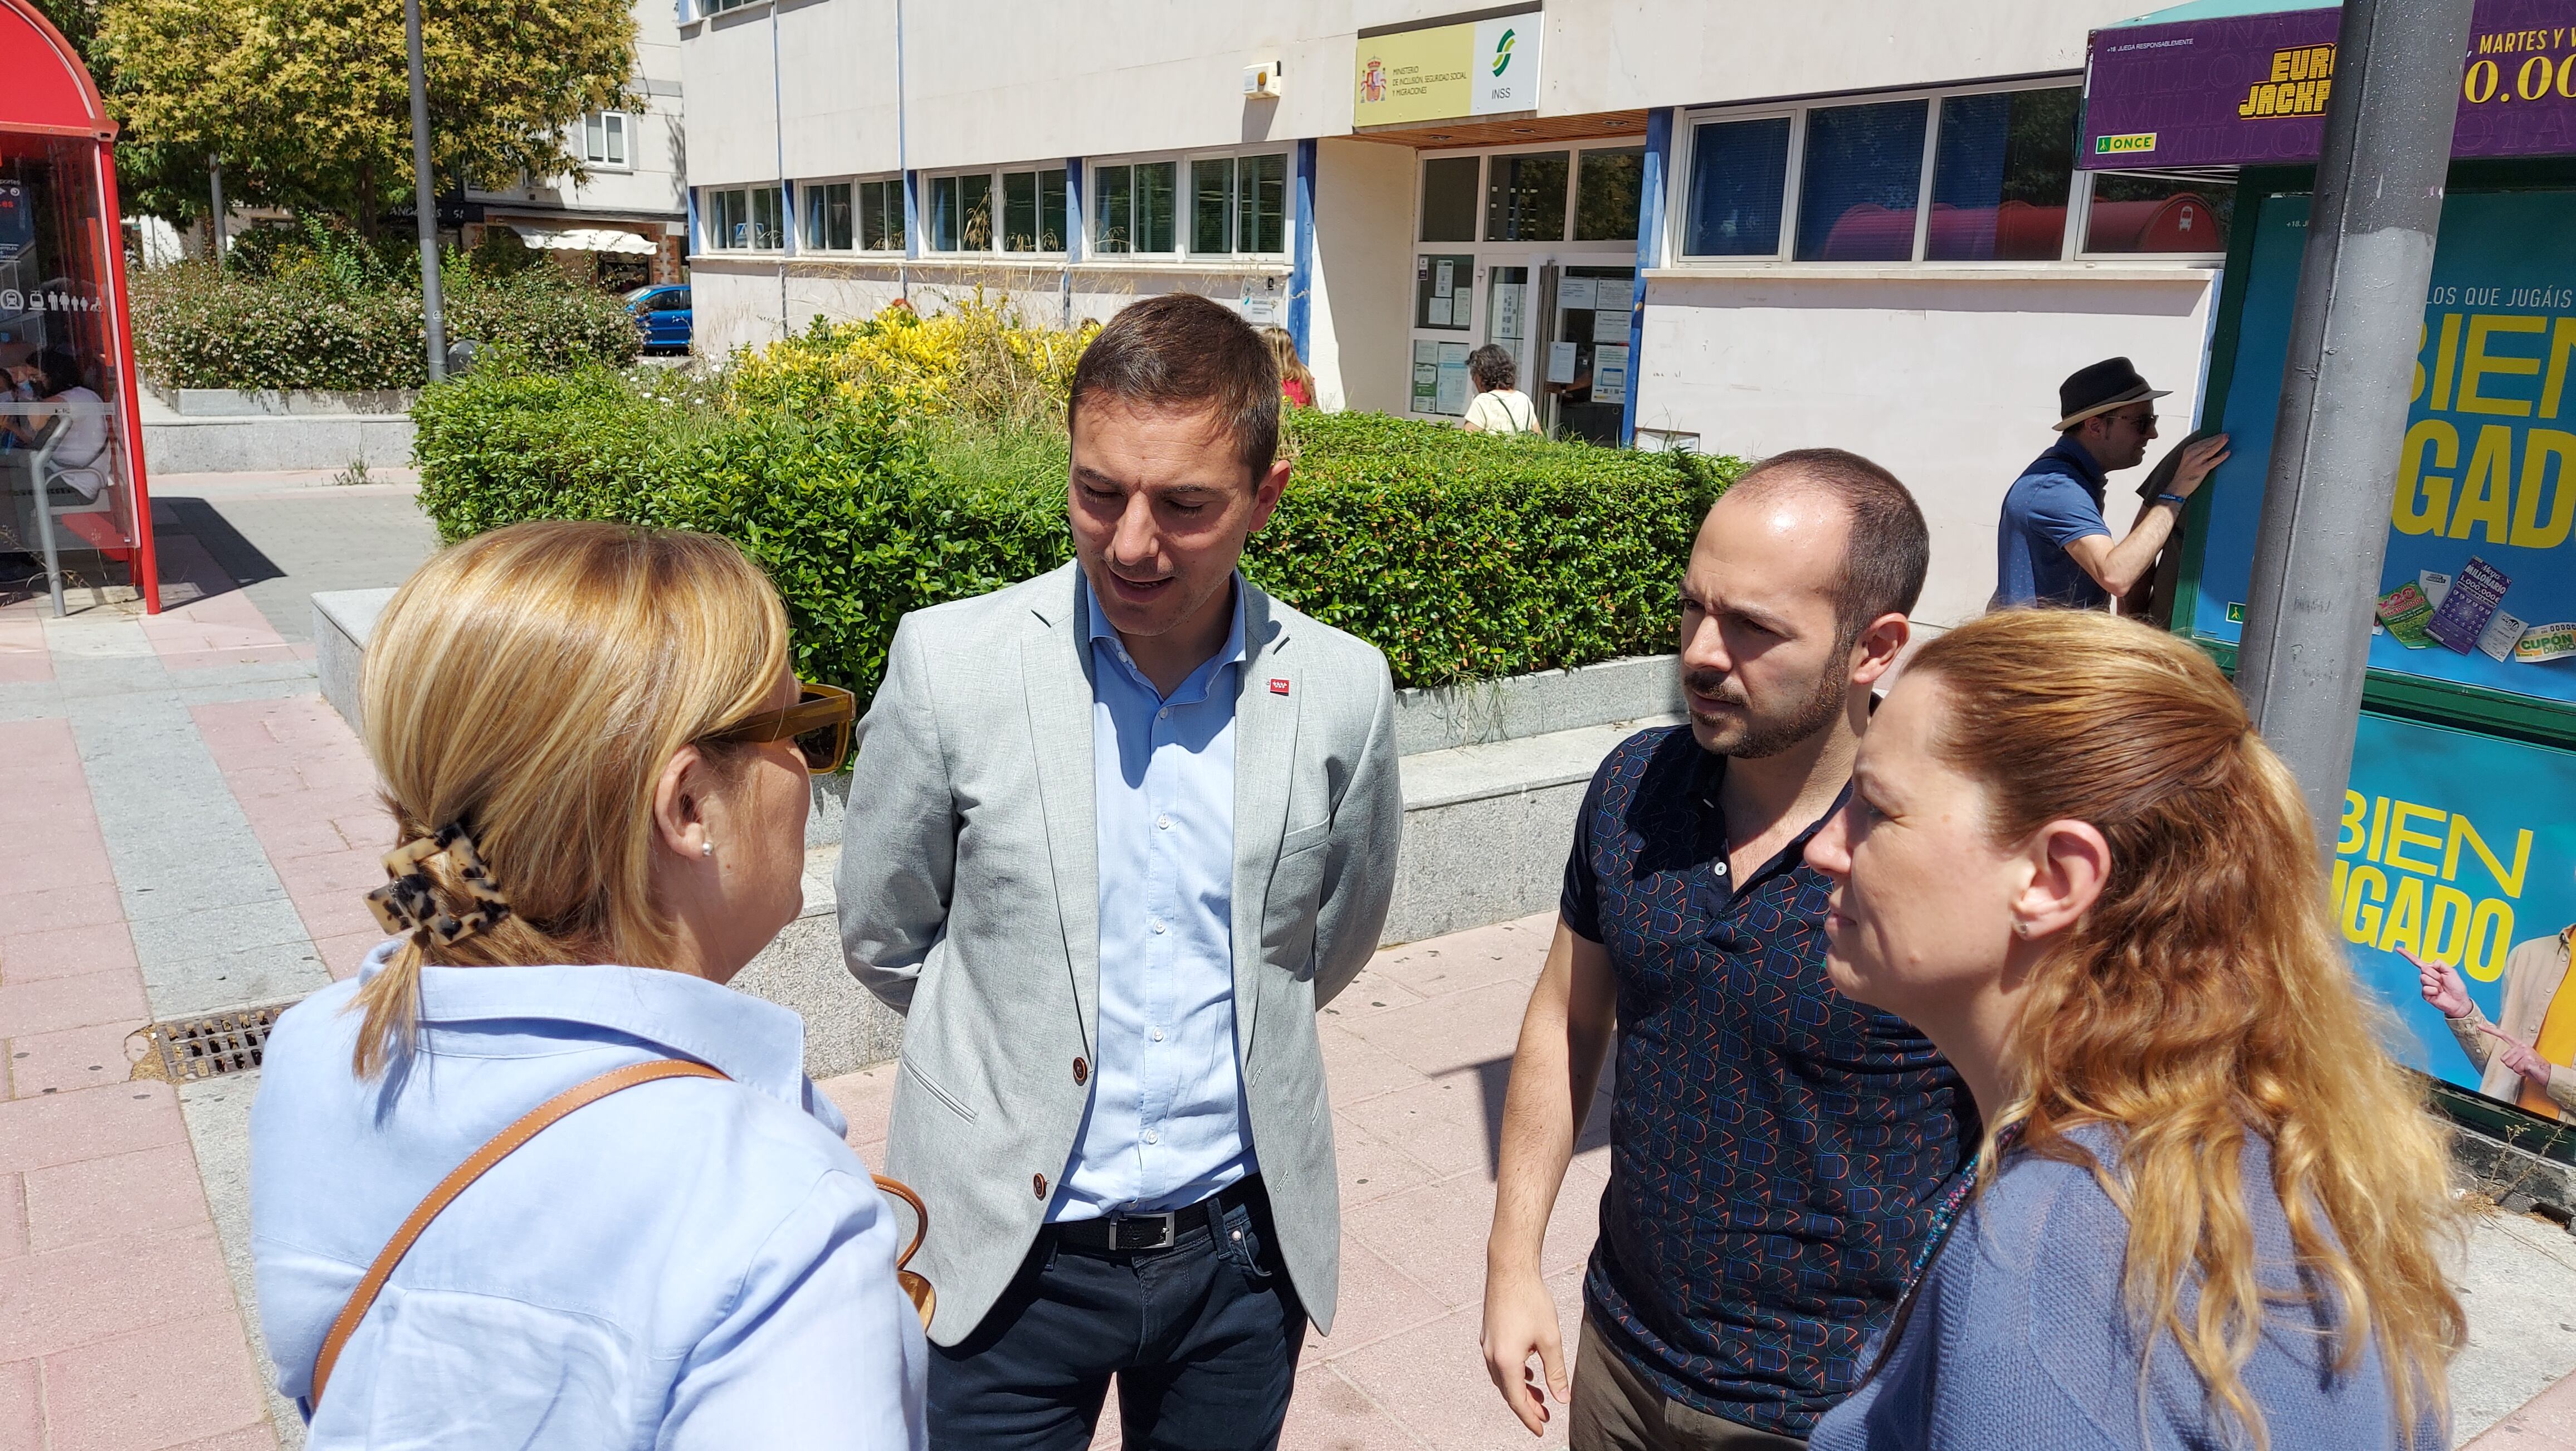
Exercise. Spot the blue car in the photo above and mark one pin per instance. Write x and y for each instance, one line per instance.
(663, 314)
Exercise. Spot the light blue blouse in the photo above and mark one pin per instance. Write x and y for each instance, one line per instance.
(689, 1263)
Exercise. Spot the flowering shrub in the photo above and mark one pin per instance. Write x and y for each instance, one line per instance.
(334, 325)
(974, 360)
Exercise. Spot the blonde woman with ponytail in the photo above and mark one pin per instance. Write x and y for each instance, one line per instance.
(596, 759)
(2209, 1210)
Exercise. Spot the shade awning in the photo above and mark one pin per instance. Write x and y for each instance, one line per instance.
(582, 239)
(2245, 82)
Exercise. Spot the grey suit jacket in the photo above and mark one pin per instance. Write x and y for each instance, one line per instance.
(969, 901)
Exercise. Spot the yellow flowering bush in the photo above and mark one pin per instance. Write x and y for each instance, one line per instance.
(977, 360)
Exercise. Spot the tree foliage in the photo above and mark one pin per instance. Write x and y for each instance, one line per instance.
(308, 102)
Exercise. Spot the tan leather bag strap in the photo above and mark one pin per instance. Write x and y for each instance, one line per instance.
(503, 1144)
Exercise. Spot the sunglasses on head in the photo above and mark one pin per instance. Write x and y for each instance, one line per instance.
(819, 723)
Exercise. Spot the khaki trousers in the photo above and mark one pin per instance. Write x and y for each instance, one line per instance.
(1616, 1409)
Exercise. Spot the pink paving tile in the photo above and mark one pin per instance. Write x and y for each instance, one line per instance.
(13, 1216)
(58, 908)
(1331, 1414)
(23, 657)
(65, 1128)
(1455, 1031)
(1376, 1300)
(1356, 1069)
(1438, 1232)
(146, 1192)
(56, 1300)
(1432, 1381)
(253, 655)
(168, 1385)
(2546, 1422)
(338, 912)
(1505, 952)
(1441, 1123)
(259, 1437)
(65, 952)
(69, 1060)
(66, 854)
(341, 956)
(1368, 994)
(50, 1004)
(223, 629)
(343, 872)
(22, 1406)
(1371, 1168)
(866, 1099)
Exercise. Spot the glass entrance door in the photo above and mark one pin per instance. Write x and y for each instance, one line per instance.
(1585, 373)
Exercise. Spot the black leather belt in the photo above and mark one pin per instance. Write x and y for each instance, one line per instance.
(1122, 1233)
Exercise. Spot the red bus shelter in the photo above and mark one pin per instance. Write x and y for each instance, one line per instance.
(72, 489)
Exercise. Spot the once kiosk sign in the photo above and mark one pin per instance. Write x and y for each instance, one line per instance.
(2249, 90)
(1482, 67)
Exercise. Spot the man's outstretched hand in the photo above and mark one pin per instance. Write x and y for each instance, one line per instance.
(1520, 1322)
(2441, 985)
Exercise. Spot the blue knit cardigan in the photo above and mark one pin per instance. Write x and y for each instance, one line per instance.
(2020, 1338)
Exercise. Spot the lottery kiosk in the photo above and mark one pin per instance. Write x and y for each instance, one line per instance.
(72, 494)
(2458, 834)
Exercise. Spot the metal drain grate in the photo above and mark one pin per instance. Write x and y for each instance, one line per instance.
(207, 1047)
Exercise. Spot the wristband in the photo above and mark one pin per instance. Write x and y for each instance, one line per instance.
(2176, 500)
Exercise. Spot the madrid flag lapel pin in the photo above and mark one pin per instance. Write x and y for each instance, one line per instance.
(1278, 686)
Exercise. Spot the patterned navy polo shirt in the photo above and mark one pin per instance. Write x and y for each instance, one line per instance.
(1776, 1150)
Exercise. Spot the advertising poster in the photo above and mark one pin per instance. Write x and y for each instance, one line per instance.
(2486, 479)
(2251, 89)
(2462, 847)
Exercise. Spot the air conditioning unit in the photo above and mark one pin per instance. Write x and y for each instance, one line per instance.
(1261, 82)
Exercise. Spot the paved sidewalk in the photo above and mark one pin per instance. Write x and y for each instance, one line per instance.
(186, 826)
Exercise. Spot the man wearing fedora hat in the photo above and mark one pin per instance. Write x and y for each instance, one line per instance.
(2052, 546)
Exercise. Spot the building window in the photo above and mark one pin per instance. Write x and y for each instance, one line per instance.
(1525, 198)
(2131, 214)
(960, 215)
(2000, 182)
(1033, 210)
(1449, 198)
(827, 217)
(745, 219)
(880, 208)
(603, 138)
(1132, 210)
(2000, 177)
(1238, 204)
(1738, 187)
(1861, 183)
(1608, 187)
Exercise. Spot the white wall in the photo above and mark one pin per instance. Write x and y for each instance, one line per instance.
(656, 181)
(1950, 384)
(1362, 280)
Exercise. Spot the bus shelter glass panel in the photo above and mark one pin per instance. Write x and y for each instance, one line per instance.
(66, 500)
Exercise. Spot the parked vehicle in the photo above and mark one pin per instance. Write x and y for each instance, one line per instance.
(663, 314)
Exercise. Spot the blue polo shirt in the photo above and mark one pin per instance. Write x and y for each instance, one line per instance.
(2056, 501)
(1776, 1150)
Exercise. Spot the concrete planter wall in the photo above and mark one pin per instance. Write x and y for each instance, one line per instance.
(298, 402)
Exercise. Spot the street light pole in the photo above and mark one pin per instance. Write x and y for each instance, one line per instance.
(2344, 395)
(434, 324)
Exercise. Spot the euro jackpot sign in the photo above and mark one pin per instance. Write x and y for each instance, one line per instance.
(2458, 846)
(2486, 476)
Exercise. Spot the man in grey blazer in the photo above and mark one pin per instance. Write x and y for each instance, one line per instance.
(1115, 834)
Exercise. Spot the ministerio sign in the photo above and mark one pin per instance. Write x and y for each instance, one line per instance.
(1485, 67)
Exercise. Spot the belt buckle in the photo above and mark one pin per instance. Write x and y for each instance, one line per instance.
(1167, 1223)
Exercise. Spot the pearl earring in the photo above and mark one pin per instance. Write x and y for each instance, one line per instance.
(706, 848)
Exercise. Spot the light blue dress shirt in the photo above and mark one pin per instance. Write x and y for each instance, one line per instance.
(1166, 1125)
(686, 1264)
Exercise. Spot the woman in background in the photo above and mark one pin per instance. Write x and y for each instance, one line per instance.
(596, 758)
(1296, 385)
(2208, 1206)
(1498, 407)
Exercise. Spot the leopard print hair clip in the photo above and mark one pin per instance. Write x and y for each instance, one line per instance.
(405, 906)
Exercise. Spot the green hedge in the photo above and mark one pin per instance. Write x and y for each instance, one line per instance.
(198, 326)
(1462, 557)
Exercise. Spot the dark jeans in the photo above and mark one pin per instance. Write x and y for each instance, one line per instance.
(1202, 1337)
